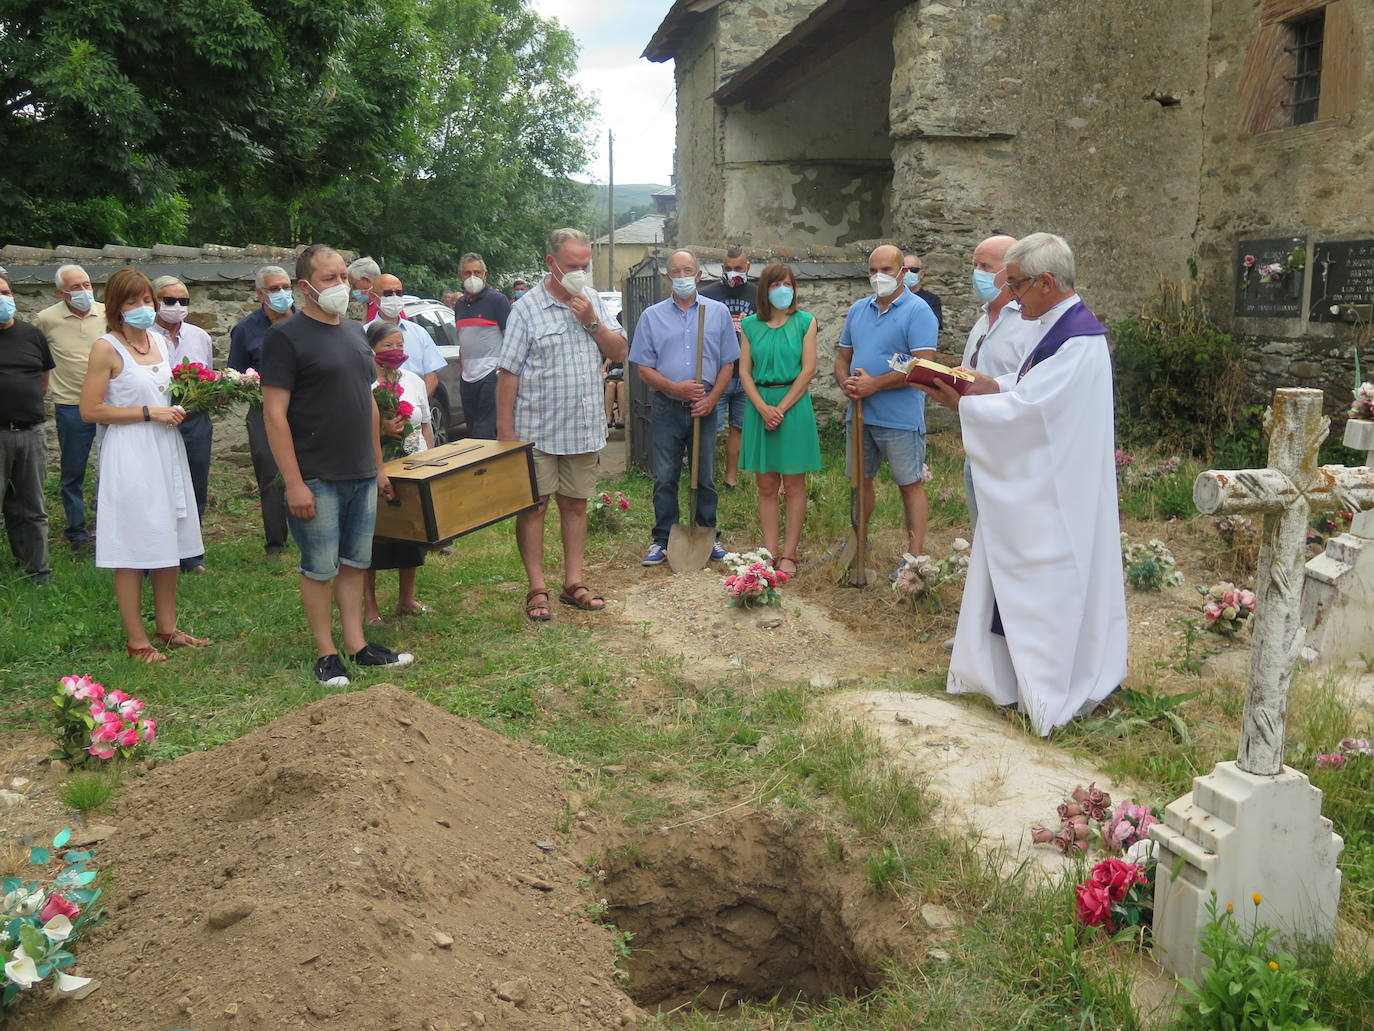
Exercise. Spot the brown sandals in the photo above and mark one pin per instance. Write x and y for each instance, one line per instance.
(531, 606)
(580, 596)
(796, 566)
(147, 654)
(181, 639)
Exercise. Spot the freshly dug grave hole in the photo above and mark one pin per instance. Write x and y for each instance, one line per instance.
(748, 908)
(369, 863)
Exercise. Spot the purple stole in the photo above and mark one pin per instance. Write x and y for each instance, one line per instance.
(1078, 321)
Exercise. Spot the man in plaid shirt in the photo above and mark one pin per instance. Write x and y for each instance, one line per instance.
(549, 392)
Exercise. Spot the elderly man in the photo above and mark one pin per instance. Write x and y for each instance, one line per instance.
(71, 327)
(481, 315)
(1043, 620)
(25, 362)
(549, 392)
(891, 321)
(322, 423)
(275, 303)
(362, 277)
(1000, 338)
(665, 352)
(737, 295)
(913, 276)
(422, 355)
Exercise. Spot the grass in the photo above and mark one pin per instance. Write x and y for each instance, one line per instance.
(597, 697)
(85, 792)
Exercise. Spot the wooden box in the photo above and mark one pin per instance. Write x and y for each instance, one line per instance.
(454, 489)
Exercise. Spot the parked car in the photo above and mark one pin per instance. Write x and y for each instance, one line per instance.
(438, 320)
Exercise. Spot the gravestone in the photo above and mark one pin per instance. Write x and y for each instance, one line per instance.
(1278, 300)
(1254, 825)
(1342, 274)
(1338, 595)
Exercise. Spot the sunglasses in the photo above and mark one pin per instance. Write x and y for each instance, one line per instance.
(185, 302)
(393, 293)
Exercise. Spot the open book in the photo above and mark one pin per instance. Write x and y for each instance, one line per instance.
(926, 372)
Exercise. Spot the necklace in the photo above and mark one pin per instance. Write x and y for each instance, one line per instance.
(147, 346)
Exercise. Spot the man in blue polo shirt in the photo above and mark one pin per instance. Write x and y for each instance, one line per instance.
(481, 314)
(665, 351)
(891, 321)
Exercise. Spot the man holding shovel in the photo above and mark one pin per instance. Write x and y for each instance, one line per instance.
(684, 347)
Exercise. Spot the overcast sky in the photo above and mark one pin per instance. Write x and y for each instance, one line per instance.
(635, 96)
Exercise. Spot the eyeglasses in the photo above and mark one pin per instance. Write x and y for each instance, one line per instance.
(392, 293)
(185, 302)
(276, 289)
(1018, 286)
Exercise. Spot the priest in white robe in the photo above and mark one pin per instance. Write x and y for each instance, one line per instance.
(1043, 619)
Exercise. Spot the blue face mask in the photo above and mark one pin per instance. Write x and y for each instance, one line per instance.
(280, 301)
(518, 294)
(360, 295)
(6, 308)
(985, 285)
(781, 296)
(141, 317)
(685, 286)
(912, 280)
(81, 300)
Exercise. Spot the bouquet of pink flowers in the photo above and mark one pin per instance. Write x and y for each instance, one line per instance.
(1363, 405)
(754, 581)
(92, 722)
(200, 389)
(1116, 894)
(247, 384)
(1087, 818)
(1226, 607)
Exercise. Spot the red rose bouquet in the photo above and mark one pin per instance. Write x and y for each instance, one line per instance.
(389, 406)
(202, 390)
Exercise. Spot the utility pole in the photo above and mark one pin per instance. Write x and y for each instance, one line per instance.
(610, 201)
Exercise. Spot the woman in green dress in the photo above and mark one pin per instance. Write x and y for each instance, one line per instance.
(777, 360)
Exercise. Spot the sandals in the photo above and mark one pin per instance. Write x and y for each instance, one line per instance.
(181, 639)
(796, 566)
(531, 606)
(580, 596)
(147, 655)
(420, 609)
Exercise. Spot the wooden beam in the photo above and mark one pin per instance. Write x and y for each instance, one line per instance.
(1342, 61)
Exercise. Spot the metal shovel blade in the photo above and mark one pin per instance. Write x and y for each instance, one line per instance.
(689, 547)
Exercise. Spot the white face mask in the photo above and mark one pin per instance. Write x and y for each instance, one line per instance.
(883, 284)
(575, 281)
(391, 306)
(474, 284)
(174, 313)
(332, 300)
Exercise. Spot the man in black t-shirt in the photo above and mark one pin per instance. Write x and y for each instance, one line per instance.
(24, 364)
(322, 423)
(737, 294)
(914, 276)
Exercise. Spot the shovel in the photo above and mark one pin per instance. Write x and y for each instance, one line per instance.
(689, 547)
(852, 564)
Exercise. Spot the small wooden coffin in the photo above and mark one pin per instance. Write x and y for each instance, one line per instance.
(454, 489)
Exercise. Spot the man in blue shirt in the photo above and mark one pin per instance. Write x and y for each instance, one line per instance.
(275, 303)
(892, 320)
(665, 351)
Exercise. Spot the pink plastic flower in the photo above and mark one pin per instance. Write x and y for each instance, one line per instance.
(149, 729)
(1117, 876)
(131, 708)
(128, 738)
(1247, 600)
(1330, 761)
(624, 504)
(78, 687)
(1211, 611)
(57, 905)
(116, 696)
(105, 733)
(1093, 904)
(101, 751)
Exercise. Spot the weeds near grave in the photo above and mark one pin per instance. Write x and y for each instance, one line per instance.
(86, 791)
(885, 869)
(1188, 654)
(1368, 661)
(1141, 709)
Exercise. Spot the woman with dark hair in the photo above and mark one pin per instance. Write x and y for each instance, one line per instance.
(777, 362)
(146, 504)
(388, 352)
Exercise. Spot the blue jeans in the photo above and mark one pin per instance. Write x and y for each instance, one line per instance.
(670, 432)
(341, 531)
(74, 440)
(196, 433)
(479, 406)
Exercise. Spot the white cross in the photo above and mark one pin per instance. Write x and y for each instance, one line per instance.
(1284, 494)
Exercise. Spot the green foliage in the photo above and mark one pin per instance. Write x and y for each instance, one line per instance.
(886, 868)
(86, 791)
(1178, 376)
(1250, 986)
(1143, 708)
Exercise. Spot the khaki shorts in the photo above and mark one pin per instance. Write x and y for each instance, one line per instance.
(573, 476)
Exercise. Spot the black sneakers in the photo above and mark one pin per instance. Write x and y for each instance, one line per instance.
(376, 655)
(329, 671)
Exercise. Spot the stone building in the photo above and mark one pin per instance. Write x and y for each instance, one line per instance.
(1144, 131)
(633, 243)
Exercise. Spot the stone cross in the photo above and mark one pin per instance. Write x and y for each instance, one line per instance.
(1284, 494)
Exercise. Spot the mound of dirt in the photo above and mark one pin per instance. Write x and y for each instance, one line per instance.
(369, 862)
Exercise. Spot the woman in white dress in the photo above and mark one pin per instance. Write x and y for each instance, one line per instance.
(388, 351)
(147, 505)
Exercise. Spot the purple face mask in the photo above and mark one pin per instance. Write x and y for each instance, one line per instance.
(393, 358)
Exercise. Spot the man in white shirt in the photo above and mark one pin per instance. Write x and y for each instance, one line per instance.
(1042, 623)
(480, 316)
(422, 355)
(1000, 339)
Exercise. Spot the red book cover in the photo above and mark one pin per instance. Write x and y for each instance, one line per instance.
(926, 373)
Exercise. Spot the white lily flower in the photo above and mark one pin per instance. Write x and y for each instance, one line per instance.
(58, 929)
(19, 904)
(960, 544)
(22, 970)
(73, 987)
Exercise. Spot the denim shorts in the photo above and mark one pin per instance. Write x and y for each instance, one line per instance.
(341, 532)
(731, 403)
(905, 451)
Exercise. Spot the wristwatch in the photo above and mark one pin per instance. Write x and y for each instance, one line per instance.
(593, 326)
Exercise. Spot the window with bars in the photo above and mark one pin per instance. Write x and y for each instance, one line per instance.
(1306, 37)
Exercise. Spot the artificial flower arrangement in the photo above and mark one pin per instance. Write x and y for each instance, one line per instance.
(607, 510)
(919, 576)
(1363, 405)
(1349, 750)
(93, 723)
(1117, 895)
(1132, 474)
(1271, 272)
(1150, 566)
(1226, 607)
(389, 406)
(201, 390)
(1087, 819)
(40, 922)
(754, 581)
